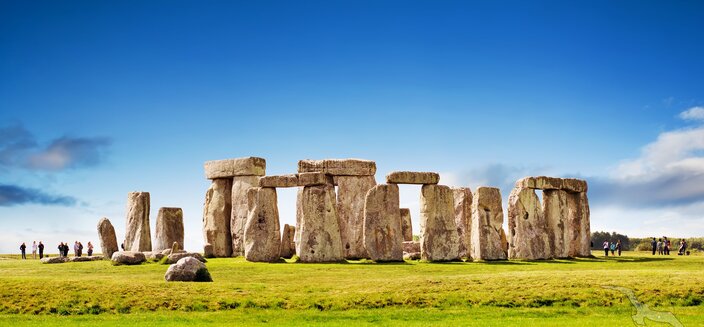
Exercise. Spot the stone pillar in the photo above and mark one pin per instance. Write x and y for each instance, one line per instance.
(439, 240)
(216, 218)
(554, 209)
(463, 219)
(261, 232)
(319, 239)
(527, 226)
(351, 193)
(169, 228)
(577, 234)
(288, 247)
(406, 224)
(108, 239)
(382, 224)
(240, 210)
(137, 233)
(487, 221)
(299, 214)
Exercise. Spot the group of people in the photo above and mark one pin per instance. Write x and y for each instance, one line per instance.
(613, 247)
(662, 246)
(63, 249)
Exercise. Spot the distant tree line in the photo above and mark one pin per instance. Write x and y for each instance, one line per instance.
(641, 244)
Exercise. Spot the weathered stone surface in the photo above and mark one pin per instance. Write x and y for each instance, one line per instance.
(411, 255)
(382, 224)
(577, 234)
(574, 185)
(463, 219)
(314, 178)
(299, 215)
(584, 241)
(412, 177)
(406, 224)
(227, 168)
(319, 239)
(169, 228)
(240, 210)
(555, 212)
(351, 195)
(128, 257)
(339, 167)
(174, 257)
(138, 235)
(207, 251)
(108, 240)
(487, 221)
(279, 181)
(504, 242)
(188, 270)
(216, 218)
(288, 247)
(571, 185)
(411, 246)
(439, 240)
(261, 232)
(527, 226)
(55, 260)
(156, 256)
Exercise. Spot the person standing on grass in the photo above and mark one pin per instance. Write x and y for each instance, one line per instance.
(66, 249)
(654, 245)
(90, 249)
(613, 248)
(618, 247)
(23, 248)
(34, 250)
(41, 250)
(606, 248)
(80, 249)
(75, 248)
(665, 246)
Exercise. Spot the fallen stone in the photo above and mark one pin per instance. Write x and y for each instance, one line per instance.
(156, 256)
(261, 233)
(319, 239)
(54, 260)
(240, 210)
(188, 270)
(250, 166)
(463, 219)
(411, 246)
(108, 240)
(339, 167)
(351, 195)
(412, 177)
(174, 257)
(382, 224)
(439, 240)
(406, 224)
(138, 235)
(411, 256)
(527, 226)
(487, 221)
(128, 257)
(279, 181)
(288, 247)
(312, 179)
(216, 218)
(169, 228)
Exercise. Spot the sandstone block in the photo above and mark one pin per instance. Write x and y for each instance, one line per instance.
(574, 185)
(339, 167)
(188, 270)
(382, 224)
(411, 256)
(411, 246)
(279, 181)
(555, 211)
(169, 228)
(351, 195)
(216, 218)
(487, 221)
(240, 210)
(406, 225)
(261, 233)
(128, 257)
(288, 247)
(540, 182)
(174, 257)
(314, 178)
(319, 239)
(227, 168)
(49, 260)
(527, 226)
(108, 240)
(577, 233)
(463, 219)
(138, 235)
(439, 240)
(412, 177)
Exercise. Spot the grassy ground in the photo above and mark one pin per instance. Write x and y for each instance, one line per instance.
(547, 293)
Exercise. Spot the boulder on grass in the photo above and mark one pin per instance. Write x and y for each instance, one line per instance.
(175, 257)
(128, 258)
(188, 269)
(54, 260)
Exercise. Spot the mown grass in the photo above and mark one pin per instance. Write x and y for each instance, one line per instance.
(560, 292)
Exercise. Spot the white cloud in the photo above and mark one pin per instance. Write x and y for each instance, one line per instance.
(694, 113)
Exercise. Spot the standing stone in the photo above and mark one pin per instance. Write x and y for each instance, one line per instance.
(138, 235)
(216, 218)
(319, 239)
(577, 238)
(351, 194)
(527, 226)
(504, 242)
(169, 228)
(555, 211)
(299, 214)
(463, 219)
(382, 224)
(240, 209)
(108, 240)
(584, 250)
(288, 247)
(439, 240)
(261, 232)
(487, 221)
(406, 225)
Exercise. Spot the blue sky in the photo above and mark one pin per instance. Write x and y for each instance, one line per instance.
(101, 98)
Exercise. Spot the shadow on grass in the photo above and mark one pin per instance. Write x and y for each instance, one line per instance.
(622, 259)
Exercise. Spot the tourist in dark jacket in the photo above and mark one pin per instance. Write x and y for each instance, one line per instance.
(654, 245)
(41, 249)
(23, 248)
(90, 249)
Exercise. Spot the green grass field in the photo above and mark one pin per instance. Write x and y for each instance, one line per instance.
(545, 293)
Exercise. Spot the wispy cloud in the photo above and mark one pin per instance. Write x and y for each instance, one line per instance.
(694, 113)
(11, 195)
(19, 149)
